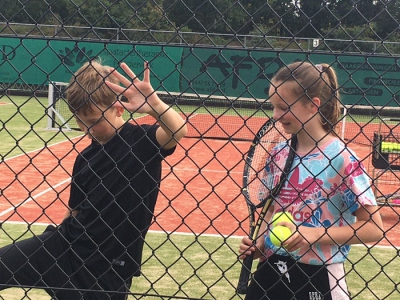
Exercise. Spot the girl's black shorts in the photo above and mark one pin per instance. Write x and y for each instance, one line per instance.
(283, 278)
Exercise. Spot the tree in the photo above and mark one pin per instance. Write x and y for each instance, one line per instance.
(33, 11)
(387, 17)
(353, 13)
(9, 10)
(217, 16)
(282, 18)
(314, 16)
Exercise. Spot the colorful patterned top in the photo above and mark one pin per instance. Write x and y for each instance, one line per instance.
(324, 189)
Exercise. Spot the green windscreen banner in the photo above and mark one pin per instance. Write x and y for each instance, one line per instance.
(244, 73)
(37, 61)
(237, 73)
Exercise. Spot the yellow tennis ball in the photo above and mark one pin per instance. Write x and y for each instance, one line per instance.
(279, 234)
(388, 147)
(384, 146)
(282, 217)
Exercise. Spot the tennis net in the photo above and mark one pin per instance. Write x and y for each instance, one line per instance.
(213, 117)
(228, 118)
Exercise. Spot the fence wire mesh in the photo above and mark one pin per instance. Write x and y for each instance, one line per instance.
(213, 63)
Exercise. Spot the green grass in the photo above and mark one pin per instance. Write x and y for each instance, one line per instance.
(206, 267)
(23, 123)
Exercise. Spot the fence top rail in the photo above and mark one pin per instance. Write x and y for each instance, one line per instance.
(62, 32)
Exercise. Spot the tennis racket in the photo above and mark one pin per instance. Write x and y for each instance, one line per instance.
(267, 137)
(389, 199)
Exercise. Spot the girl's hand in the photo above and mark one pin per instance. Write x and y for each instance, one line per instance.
(140, 94)
(247, 247)
(302, 236)
(367, 229)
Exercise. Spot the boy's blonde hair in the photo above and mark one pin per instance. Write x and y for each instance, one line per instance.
(87, 88)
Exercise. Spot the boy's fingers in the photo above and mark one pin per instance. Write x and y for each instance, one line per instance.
(116, 88)
(146, 76)
(129, 72)
(125, 81)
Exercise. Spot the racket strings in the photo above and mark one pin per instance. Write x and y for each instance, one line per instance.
(267, 164)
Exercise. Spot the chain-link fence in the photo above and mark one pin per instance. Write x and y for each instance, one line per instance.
(72, 226)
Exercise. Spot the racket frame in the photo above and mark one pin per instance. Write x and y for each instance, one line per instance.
(265, 204)
(387, 199)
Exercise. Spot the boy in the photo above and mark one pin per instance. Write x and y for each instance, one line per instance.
(97, 249)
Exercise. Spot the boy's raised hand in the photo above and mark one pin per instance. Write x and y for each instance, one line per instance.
(140, 94)
(143, 99)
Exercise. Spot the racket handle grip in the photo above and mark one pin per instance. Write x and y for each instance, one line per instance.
(245, 274)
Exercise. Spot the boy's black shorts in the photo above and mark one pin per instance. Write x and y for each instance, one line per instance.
(44, 261)
(282, 278)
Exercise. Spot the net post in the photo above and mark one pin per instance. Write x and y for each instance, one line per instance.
(52, 111)
(50, 108)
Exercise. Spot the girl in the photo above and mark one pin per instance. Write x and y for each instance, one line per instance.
(327, 192)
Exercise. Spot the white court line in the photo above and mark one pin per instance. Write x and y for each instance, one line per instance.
(37, 150)
(200, 171)
(68, 179)
(150, 231)
(212, 235)
(14, 207)
(45, 191)
(68, 140)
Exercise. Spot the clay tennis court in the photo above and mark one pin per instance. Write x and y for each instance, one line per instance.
(200, 191)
